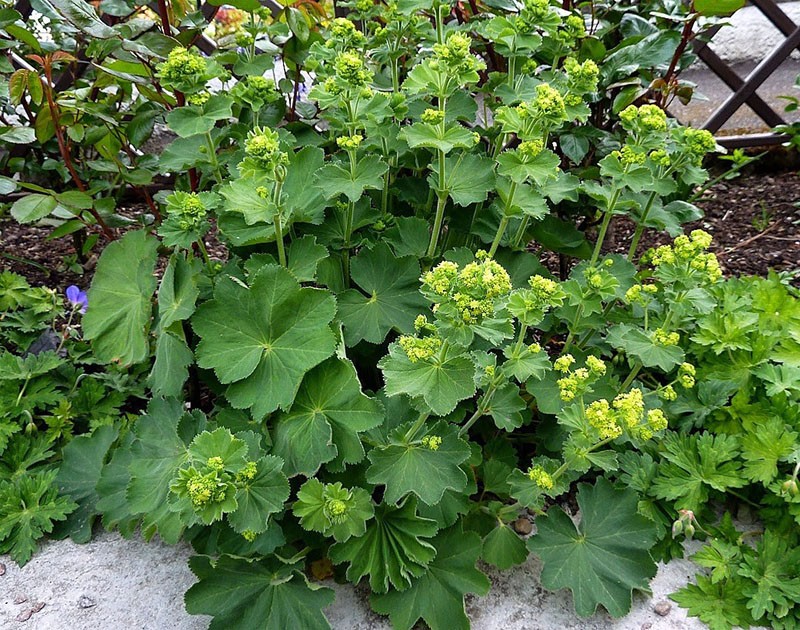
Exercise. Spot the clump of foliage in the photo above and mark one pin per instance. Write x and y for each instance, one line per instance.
(51, 391)
(381, 376)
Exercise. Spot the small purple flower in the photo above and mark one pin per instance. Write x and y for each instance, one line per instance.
(77, 298)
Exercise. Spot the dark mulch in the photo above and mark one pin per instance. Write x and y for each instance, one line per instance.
(754, 220)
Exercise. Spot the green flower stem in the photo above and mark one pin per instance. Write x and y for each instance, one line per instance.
(523, 225)
(277, 220)
(483, 406)
(279, 239)
(512, 68)
(601, 236)
(412, 432)
(204, 253)
(634, 372)
(348, 226)
(212, 156)
(523, 329)
(637, 235)
(441, 194)
(501, 229)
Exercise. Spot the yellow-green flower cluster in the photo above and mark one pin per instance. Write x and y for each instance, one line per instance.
(344, 33)
(215, 463)
(596, 365)
(249, 535)
(689, 251)
(573, 28)
(546, 291)
(629, 408)
(697, 143)
(419, 348)
(351, 70)
(350, 143)
(574, 383)
(602, 418)
(626, 412)
(335, 510)
(534, 12)
(660, 157)
(657, 420)
(548, 105)
(432, 442)
(538, 475)
(686, 375)
(641, 294)
(248, 472)
(665, 338)
(205, 489)
(188, 210)
(473, 290)
(564, 363)
(667, 393)
(184, 70)
(257, 91)
(199, 99)
(582, 77)
(455, 55)
(599, 279)
(529, 149)
(628, 155)
(362, 6)
(433, 116)
(263, 148)
(644, 119)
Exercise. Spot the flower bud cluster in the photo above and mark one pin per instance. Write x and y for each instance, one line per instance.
(629, 155)
(337, 501)
(263, 148)
(645, 119)
(344, 34)
(472, 290)
(582, 78)
(350, 143)
(697, 143)
(455, 56)
(686, 375)
(530, 305)
(529, 149)
(432, 442)
(690, 253)
(184, 70)
(548, 105)
(420, 348)
(625, 413)
(665, 338)
(186, 210)
(641, 294)
(535, 13)
(433, 116)
(538, 475)
(257, 91)
(574, 383)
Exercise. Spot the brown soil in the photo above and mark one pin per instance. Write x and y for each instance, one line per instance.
(755, 222)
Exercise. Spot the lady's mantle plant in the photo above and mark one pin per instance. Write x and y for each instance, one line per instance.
(381, 377)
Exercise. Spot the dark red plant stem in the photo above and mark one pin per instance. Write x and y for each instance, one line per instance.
(163, 13)
(686, 36)
(64, 150)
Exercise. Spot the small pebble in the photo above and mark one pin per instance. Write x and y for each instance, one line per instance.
(20, 599)
(24, 615)
(37, 606)
(523, 526)
(646, 626)
(662, 608)
(2, 569)
(86, 602)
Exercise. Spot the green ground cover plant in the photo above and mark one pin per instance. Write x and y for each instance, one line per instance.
(381, 376)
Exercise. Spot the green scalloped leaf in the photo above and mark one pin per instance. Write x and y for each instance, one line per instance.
(437, 596)
(604, 558)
